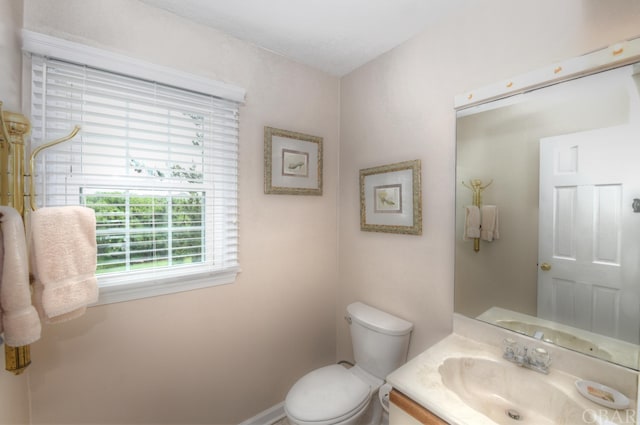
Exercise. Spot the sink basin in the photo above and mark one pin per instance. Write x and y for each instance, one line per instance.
(554, 336)
(510, 395)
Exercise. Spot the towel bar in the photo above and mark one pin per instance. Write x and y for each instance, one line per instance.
(13, 128)
(477, 188)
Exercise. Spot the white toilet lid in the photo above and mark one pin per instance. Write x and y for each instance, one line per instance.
(331, 392)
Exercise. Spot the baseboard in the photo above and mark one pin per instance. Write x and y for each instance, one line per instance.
(267, 417)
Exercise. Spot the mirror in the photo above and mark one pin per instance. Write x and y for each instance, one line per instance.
(562, 165)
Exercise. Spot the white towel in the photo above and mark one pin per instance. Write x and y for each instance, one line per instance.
(64, 257)
(19, 318)
(471, 223)
(489, 228)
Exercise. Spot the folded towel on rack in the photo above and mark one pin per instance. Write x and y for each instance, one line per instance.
(38, 291)
(489, 228)
(471, 222)
(20, 319)
(64, 256)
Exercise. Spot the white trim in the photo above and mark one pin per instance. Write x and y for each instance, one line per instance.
(151, 288)
(45, 45)
(616, 55)
(267, 417)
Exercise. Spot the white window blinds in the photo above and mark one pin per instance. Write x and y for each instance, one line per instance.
(158, 164)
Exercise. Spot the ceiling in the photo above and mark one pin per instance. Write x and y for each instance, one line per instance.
(335, 36)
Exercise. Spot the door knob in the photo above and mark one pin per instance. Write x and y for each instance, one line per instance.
(545, 266)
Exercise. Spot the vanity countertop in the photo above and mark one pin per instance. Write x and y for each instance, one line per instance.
(420, 380)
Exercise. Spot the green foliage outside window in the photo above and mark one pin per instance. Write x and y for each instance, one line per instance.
(155, 230)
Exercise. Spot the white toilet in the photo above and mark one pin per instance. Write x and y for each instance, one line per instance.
(335, 395)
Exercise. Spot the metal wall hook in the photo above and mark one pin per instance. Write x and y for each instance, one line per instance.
(32, 158)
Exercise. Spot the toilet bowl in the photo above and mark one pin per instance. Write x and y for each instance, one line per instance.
(331, 395)
(336, 395)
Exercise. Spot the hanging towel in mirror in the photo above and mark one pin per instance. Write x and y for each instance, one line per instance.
(471, 222)
(489, 228)
(19, 318)
(64, 252)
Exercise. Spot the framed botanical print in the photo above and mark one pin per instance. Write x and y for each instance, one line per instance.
(292, 163)
(391, 198)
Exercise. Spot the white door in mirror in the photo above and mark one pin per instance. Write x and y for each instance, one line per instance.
(589, 274)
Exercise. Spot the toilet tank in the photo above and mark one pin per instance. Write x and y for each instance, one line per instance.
(380, 340)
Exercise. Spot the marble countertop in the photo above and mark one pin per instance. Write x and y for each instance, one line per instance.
(420, 380)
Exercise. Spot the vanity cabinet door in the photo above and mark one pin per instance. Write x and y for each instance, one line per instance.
(404, 411)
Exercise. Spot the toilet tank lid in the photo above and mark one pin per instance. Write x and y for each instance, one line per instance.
(378, 320)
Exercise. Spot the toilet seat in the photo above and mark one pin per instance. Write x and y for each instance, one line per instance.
(327, 395)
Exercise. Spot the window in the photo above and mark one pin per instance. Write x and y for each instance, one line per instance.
(158, 164)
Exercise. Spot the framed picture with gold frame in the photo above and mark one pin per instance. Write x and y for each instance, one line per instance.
(292, 163)
(391, 198)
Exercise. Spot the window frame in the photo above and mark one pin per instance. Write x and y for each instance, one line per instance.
(166, 281)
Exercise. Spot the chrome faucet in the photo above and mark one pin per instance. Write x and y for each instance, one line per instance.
(537, 359)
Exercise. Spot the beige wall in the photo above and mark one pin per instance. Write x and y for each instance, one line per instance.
(10, 58)
(14, 404)
(400, 107)
(223, 354)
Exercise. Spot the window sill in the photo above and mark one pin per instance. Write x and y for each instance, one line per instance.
(151, 288)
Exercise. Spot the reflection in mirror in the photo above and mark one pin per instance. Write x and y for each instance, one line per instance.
(565, 166)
